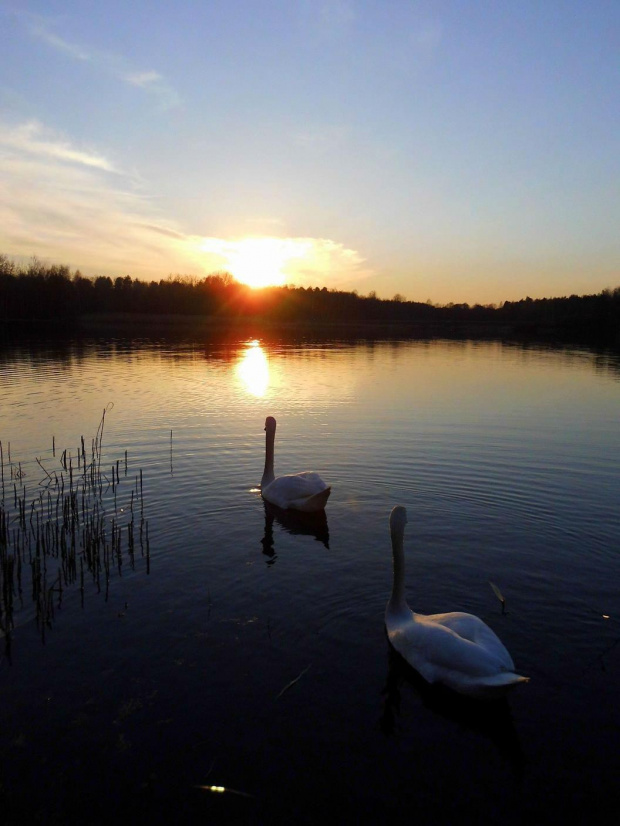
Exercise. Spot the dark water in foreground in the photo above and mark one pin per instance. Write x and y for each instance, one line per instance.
(248, 650)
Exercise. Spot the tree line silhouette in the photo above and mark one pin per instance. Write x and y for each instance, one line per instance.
(40, 292)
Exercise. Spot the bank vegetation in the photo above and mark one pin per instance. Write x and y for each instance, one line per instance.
(53, 293)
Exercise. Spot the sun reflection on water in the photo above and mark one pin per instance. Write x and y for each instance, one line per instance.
(253, 369)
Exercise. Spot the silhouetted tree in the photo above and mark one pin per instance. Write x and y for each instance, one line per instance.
(38, 291)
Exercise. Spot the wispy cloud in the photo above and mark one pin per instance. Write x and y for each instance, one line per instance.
(299, 261)
(151, 81)
(60, 202)
(163, 230)
(39, 30)
(33, 139)
(328, 261)
(74, 206)
(155, 84)
(143, 79)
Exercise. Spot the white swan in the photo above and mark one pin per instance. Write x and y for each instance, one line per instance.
(456, 649)
(300, 491)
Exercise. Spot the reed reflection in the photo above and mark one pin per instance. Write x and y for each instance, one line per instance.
(253, 370)
(293, 522)
(491, 718)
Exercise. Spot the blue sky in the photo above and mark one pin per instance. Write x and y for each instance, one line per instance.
(452, 151)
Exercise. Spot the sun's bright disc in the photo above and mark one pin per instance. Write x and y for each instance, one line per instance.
(258, 262)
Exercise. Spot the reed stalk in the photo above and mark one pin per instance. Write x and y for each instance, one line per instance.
(72, 529)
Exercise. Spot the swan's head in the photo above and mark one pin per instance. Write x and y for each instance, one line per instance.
(398, 519)
(270, 424)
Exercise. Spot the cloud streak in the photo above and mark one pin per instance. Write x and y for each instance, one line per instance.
(149, 80)
(70, 49)
(61, 202)
(31, 138)
(75, 207)
(299, 261)
(143, 80)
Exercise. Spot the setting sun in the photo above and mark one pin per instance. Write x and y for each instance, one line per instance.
(259, 262)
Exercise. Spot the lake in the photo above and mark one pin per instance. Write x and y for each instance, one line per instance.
(225, 663)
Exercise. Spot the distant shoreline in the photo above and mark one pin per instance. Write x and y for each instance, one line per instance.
(214, 322)
(129, 324)
(53, 299)
(431, 328)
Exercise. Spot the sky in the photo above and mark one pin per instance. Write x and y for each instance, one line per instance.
(450, 151)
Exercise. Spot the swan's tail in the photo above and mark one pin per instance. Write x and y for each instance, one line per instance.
(313, 503)
(497, 685)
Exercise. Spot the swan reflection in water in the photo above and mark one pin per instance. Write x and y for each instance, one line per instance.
(490, 718)
(294, 522)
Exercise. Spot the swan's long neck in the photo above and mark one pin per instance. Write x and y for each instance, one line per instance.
(398, 603)
(268, 474)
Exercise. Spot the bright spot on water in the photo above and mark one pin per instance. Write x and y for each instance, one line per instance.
(253, 370)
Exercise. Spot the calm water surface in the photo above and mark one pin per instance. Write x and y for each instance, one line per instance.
(249, 652)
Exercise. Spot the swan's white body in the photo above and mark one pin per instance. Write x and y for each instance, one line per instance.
(456, 649)
(299, 491)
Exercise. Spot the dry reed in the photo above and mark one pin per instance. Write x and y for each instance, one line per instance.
(69, 533)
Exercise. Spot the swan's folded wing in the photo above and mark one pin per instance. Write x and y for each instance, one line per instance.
(434, 650)
(472, 628)
(293, 487)
(312, 479)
